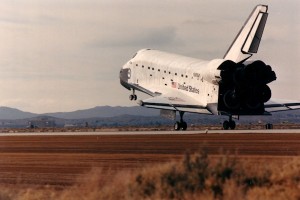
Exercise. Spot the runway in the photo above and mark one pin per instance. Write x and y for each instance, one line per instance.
(171, 132)
(59, 158)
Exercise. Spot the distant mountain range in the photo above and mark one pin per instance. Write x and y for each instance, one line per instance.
(7, 113)
(105, 111)
(12, 113)
(124, 116)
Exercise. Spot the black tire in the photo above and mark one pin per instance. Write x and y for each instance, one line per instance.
(269, 126)
(131, 97)
(232, 125)
(183, 126)
(226, 125)
(177, 126)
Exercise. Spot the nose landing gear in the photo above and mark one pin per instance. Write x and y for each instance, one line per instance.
(133, 96)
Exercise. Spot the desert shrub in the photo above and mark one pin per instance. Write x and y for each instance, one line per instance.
(147, 186)
(225, 177)
(195, 174)
(250, 182)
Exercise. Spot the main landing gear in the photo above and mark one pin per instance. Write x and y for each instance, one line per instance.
(229, 124)
(133, 96)
(180, 125)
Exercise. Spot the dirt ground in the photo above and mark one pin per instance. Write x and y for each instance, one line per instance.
(60, 160)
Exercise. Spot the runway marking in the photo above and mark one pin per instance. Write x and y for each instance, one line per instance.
(263, 131)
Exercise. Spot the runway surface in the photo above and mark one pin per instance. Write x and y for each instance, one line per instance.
(172, 132)
(59, 158)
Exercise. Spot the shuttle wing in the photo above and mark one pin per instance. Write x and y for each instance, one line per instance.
(175, 102)
(247, 41)
(276, 105)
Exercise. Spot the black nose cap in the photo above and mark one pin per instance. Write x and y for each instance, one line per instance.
(125, 74)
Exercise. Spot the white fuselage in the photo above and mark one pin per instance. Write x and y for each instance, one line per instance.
(162, 73)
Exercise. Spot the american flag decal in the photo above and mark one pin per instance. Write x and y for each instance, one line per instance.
(174, 85)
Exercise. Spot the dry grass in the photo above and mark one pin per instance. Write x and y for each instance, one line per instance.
(143, 128)
(195, 177)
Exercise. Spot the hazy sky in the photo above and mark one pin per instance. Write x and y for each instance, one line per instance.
(61, 55)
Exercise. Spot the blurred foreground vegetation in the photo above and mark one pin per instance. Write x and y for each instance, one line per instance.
(196, 176)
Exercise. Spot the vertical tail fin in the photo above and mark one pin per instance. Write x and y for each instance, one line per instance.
(247, 41)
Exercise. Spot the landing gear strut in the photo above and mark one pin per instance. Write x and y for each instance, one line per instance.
(229, 124)
(133, 96)
(180, 125)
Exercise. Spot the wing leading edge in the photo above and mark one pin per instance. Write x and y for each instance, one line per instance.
(277, 105)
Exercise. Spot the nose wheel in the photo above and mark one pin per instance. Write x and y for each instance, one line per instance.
(133, 96)
(229, 124)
